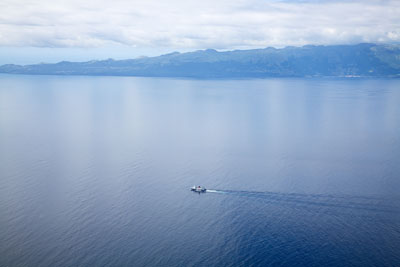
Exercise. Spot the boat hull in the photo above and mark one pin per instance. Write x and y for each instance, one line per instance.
(198, 190)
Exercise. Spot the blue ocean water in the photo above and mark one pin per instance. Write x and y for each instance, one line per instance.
(96, 171)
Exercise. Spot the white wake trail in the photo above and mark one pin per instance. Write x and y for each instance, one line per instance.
(214, 191)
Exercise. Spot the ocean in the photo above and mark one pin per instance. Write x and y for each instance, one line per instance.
(96, 171)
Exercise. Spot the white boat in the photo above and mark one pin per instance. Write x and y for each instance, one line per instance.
(198, 189)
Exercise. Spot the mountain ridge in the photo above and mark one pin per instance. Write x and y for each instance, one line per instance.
(361, 60)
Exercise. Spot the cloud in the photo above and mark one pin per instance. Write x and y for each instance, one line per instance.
(196, 24)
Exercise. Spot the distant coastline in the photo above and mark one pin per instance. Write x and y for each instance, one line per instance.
(342, 61)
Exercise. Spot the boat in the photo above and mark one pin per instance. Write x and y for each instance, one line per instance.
(198, 189)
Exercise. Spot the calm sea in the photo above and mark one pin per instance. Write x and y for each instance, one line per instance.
(96, 171)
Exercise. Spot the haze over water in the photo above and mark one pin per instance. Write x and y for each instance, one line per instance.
(96, 171)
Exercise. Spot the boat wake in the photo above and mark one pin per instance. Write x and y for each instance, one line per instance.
(369, 203)
(214, 191)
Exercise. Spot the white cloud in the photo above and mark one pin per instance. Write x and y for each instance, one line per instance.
(193, 24)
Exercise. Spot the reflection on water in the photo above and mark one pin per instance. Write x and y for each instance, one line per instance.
(96, 171)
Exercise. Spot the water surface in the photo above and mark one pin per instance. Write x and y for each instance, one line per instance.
(95, 171)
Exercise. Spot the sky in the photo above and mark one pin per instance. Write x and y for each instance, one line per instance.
(33, 31)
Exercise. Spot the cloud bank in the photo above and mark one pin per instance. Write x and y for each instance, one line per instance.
(193, 24)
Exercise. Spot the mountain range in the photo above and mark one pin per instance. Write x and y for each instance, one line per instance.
(361, 60)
